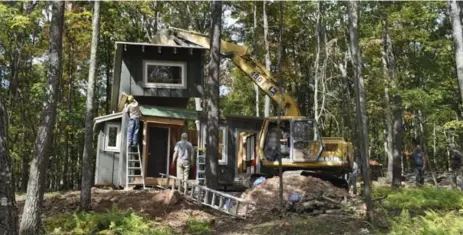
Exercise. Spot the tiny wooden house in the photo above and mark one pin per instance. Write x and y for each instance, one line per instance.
(163, 78)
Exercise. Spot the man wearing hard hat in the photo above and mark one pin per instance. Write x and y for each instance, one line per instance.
(134, 113)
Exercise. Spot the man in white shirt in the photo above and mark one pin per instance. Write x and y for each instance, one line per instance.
(133, 110)
(184, 152)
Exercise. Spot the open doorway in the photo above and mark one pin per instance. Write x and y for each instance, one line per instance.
(158, 151)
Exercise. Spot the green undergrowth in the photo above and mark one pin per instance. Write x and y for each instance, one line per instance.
(113, 222)
(421, 211)
(419, 199)
(431, 223)
(198, 227)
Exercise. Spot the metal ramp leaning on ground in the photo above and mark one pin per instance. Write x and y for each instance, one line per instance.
(220, 201)
(134, 168)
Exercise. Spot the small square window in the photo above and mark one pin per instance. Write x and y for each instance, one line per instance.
(112, 139)
(164, 74)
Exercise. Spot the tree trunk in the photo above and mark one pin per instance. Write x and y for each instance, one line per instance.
(8, 223)
(397, 142)
(212, 96)
(268, 62)
(321, 55)
(455, 17)
(394, 130)
(280, 80)
(256, 88)
(31, 222)
(362, 118)
(87, 169)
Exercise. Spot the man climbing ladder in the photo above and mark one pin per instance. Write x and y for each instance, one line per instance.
(134, 113)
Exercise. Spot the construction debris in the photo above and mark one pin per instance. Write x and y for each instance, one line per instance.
(302, 194)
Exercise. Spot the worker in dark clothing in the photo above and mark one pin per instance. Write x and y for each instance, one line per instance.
(455, 165)
(420, 164)
(353, 178)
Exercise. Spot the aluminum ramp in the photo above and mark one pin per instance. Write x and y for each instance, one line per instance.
(220, 201)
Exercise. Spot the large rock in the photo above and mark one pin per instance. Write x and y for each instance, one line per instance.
(167, 197)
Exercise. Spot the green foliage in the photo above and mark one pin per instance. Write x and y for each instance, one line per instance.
(455, 124)
(112, 222)
(198, 227)
(420, 198)
(432, 223)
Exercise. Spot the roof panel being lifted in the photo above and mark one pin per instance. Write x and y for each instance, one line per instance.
(160, 45)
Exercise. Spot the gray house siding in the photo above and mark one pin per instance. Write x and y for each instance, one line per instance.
(107, 162)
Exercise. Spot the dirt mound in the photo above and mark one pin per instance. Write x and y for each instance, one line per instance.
(153, 203)
(266, 197)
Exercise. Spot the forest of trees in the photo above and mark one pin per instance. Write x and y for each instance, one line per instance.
(402, 59)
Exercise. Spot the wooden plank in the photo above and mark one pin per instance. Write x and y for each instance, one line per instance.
(162, 120)
(152, 181)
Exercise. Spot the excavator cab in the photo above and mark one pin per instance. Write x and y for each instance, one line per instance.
(299, 141)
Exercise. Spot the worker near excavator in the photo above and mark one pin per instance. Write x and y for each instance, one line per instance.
(455, 165)
(133, 110)
(420, 164)
(183, 156)
(352, 182)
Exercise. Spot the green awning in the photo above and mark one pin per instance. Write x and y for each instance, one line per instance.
(158, 111)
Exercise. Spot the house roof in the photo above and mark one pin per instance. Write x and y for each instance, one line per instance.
(192, 46)
(158, 111)
(106, 118)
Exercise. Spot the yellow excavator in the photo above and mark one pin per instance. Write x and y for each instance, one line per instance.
(301, 147)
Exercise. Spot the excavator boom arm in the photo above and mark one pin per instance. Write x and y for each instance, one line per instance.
(242, 59)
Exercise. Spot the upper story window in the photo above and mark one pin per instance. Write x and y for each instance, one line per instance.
(164, 74)
(113, 137)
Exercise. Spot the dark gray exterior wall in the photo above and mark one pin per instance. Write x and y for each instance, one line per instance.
(234, 125)
(130, 77)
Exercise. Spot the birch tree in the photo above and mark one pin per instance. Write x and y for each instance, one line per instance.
(87, 169)
(31, 222)
(256, 88)
(268, 62)
(455, 17)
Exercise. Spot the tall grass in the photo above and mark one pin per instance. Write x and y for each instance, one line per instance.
(112, 222)
(420, 198)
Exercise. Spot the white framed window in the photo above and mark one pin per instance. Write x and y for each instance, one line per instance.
(112, 137)
(164, 74)
(223, 150)
(223, 138)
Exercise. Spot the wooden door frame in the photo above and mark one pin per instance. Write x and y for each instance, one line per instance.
(237, 136)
